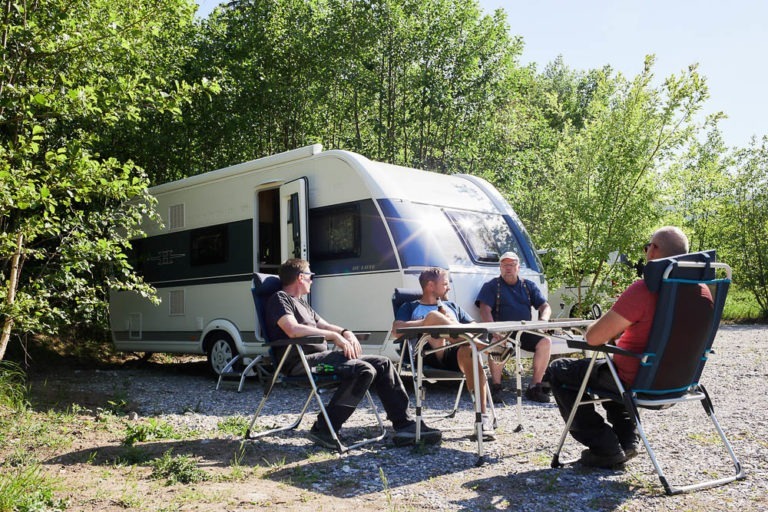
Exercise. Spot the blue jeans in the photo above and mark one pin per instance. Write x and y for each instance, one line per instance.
(588, 427)
(356, 376)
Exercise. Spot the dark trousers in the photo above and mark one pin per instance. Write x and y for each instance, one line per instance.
(355, 377)
(588, 427)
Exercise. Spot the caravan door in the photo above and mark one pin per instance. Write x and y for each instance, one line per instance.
(293, 220)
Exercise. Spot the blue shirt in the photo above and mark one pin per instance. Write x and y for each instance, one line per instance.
(515, 301)
(416, 311)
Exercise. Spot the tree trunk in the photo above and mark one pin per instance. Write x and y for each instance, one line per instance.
(13, 283)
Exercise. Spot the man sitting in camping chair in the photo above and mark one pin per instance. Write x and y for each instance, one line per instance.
(288, 315)
(431, 310)
(632, 318)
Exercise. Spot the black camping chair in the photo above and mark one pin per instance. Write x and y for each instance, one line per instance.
(683, 330)
(410, 350)
(264, 286)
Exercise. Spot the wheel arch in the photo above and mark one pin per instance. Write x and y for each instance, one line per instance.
(224, 325)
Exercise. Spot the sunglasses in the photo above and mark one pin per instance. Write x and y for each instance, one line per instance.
(648, 246)
(310, 274)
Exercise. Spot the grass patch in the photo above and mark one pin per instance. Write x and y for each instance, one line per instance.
(741, 307)
(13, 393)
(26, 488)
(179, 469)
(23, 485)
(234, 425)
(153, 430)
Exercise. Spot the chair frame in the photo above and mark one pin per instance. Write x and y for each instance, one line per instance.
(307, 377)
(634, 399)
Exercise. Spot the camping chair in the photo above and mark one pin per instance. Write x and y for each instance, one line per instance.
(264, 286)
(410, 349)
(684, 327)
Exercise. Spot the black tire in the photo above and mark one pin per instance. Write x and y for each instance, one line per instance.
(220, 349)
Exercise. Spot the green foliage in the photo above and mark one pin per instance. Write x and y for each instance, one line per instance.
(150, 431)
(405, 81)
(746, 214)
(25, 489)
(234, 425)
(179, 469)
(13, 392)
(100, 98)
(741, 306)
(73, 74)
(603, 178)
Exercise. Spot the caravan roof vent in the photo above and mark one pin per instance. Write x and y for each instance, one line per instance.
(176, 216)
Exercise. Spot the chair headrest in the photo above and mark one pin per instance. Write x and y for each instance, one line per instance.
(403, 295)
(264, 285)
(654, 269)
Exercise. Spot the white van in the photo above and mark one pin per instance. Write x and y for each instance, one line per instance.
(366, 228)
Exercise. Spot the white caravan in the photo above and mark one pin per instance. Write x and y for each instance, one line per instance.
(366, 228)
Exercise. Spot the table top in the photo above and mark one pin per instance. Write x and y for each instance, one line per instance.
(492, 327)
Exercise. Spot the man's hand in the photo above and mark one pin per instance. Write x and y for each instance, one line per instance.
(349, 344)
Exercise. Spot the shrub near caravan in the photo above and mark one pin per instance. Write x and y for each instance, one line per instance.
(366, 227)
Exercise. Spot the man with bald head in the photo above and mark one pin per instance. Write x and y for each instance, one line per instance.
(631, 319)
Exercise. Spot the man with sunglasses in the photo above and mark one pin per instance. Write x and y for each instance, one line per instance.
(630, 319)
(289, 315)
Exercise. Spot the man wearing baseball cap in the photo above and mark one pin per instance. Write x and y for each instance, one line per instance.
(510, 297)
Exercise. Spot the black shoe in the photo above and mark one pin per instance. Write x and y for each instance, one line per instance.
(593, 459)
(496, 391)
(536, 393)
(630, 449)
(629, 445)
(407, 435)
(322, 437)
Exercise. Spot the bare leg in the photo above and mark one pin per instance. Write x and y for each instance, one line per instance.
(496, 370)
(436, 318)
(468, 368)
(541, 359)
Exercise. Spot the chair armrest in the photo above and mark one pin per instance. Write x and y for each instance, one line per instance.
(610, 349)
(303, 340)
(400, 340)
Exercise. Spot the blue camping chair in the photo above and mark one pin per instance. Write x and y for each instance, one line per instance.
(410, 348)
(264, 286)
(683, 330)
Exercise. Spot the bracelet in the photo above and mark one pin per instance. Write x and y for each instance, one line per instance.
(343, 331)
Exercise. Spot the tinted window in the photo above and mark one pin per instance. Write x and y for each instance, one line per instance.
(334, 232)
(208, 245)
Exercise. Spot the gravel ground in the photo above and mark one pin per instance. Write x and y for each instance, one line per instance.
(516, 473)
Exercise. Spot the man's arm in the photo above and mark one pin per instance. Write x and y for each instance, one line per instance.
(399, 324)
(348, 343)
(486, 315)
(606, 328)
(545, 312)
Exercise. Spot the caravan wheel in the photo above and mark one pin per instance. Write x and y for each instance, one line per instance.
(221, 350)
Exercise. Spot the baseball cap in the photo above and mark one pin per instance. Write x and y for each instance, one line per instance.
(509, 255)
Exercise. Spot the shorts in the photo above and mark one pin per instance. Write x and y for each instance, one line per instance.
(528, 341)
(450, 360)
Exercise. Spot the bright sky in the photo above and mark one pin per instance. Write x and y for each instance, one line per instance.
(727, 39)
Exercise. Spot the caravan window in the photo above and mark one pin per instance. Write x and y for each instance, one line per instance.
(335, 232)
(485, 235)
(208, 245)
